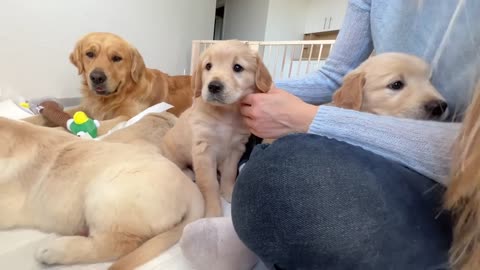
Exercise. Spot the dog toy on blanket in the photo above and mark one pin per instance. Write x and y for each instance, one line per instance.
(80, 125)
(53, 112)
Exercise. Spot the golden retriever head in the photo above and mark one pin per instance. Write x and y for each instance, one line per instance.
(229, 70)
(107, 62)
(393, 84)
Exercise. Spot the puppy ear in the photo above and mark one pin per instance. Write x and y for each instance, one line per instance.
(350, 94)
(138, 65)
(197, 79)
(76, 57)
(263, 79)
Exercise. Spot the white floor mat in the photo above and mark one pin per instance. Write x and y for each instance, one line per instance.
(10, 110)
(18, 247)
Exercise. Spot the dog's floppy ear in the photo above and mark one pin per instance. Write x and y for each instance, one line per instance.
(76, 57)
(350, 94)
(138, 65)
(197, 79)
(263, 79)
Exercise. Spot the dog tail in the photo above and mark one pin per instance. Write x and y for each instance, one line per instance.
(160, 243)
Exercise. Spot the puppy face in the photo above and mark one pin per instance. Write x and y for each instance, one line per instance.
(228, 71)
(107, 63)
(393, 84)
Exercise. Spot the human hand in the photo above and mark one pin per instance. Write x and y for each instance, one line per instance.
(276, 113)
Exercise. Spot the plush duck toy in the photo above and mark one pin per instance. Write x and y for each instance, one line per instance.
(83, 126)
(80, 125)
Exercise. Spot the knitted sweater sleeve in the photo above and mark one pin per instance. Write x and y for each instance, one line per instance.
(352, 47)
(424, 146)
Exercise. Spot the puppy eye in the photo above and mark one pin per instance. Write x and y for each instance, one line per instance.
(116, 58)
(237, 68)
(90, 54)
(208, 66)
(398, 85)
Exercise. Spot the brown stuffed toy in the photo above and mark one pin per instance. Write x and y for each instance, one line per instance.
(53, 112)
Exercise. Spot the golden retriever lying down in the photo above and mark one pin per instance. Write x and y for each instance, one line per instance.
(394, 84)
(211, 135)
(117, 85)
(463, 194)
(106, 198)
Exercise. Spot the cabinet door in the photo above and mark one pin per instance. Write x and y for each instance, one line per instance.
(325, 15)
(337, 11)
(317, 14)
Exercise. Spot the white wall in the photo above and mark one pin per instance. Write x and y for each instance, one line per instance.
(245, 19)
(286, 20)
(36, 37)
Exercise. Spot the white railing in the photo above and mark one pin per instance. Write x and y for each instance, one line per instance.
(284, 59)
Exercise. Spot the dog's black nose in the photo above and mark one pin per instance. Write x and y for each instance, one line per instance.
(436, 107)
(98, 77)
(215, 87)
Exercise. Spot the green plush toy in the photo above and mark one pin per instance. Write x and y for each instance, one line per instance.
(83, 126)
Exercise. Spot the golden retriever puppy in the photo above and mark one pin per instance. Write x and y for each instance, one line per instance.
(394, 84)
(210, 137)
(117, 85)
(105, 198)
(463, 193)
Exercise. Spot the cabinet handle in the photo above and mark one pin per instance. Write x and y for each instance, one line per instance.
(325, 23)
(329, 23)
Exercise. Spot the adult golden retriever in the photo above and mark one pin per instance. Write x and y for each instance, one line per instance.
(106, 198)
(211, 135)
(116, 84)
(463, 193)
(394, 84)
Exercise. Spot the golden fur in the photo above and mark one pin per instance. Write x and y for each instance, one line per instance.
(129, 88)
(106, 198)
(463, 194)
(367, 87)
(211, 135)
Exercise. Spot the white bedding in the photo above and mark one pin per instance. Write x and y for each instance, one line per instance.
(17, 247)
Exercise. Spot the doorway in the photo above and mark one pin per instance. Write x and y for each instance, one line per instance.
(219, 15)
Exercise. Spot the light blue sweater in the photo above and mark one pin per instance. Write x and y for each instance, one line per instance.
(445, 33)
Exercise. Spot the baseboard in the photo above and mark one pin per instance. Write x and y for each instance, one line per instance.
(70, 102)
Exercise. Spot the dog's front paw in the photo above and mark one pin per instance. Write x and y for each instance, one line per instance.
(227, 192)
(213, 210)
(51, 252)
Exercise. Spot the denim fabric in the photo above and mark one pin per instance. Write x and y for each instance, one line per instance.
(444, 33)
(308, 202)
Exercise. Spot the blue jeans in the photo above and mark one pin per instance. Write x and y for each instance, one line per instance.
(308, 202)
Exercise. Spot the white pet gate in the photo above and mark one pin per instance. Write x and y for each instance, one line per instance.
(284, 59)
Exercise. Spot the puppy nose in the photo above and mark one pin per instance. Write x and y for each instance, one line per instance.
(215, 87)
(436, 107)
(98, 77)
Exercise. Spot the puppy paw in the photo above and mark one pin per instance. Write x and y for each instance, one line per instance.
(51, 252)
(213, 210)
(227, 192)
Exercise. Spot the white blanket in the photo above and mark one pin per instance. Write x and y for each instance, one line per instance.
(17, 247)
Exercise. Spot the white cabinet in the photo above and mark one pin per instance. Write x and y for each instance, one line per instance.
(325, 15)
